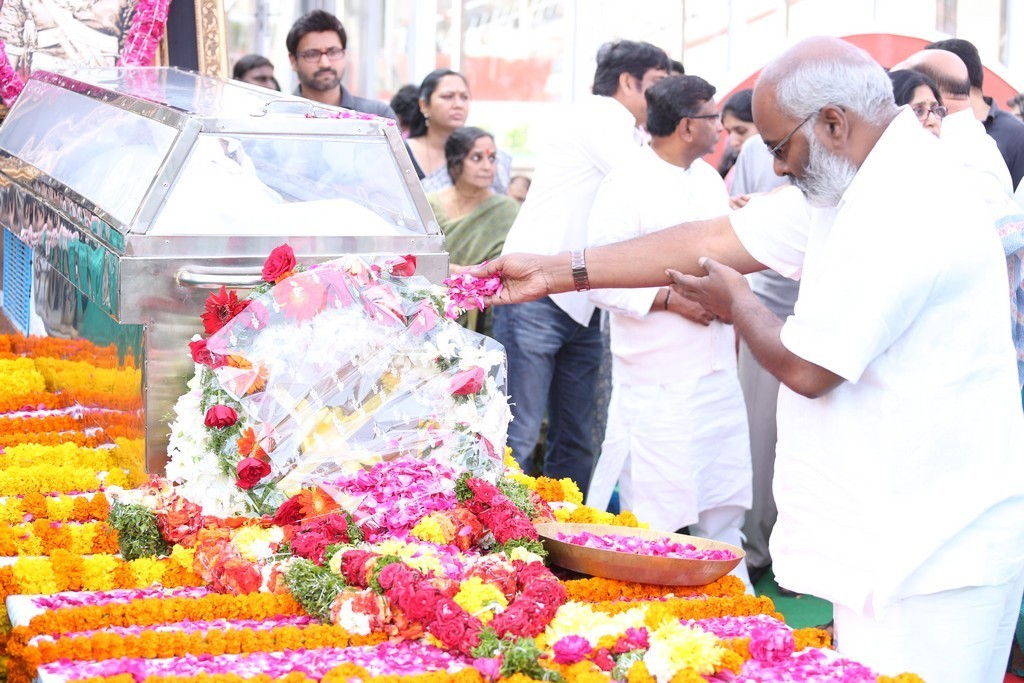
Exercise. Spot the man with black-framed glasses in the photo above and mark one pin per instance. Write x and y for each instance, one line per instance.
(677, 442)
(317, 45)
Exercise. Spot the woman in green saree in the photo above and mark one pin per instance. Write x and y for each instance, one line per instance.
(474, 219)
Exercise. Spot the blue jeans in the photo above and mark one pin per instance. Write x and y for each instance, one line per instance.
(554, 364)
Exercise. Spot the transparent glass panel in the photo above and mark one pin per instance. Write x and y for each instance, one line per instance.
(183, 90)
(270, 185)
(106, 154)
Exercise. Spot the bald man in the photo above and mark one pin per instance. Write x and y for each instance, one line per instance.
(899, 481)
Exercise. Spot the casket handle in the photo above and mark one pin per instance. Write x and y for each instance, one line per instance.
(234, 278)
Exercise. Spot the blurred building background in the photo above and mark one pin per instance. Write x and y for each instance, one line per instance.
(525, 59)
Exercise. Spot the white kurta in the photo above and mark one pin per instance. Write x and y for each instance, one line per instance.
(677, 419)
(907, 479)
(599, 135)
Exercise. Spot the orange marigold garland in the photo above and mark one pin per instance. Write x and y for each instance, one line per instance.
(150, 644)
(596, 589)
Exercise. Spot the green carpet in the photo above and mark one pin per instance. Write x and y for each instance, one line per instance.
(801, 611)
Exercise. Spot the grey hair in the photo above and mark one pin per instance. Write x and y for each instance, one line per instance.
(857, 83)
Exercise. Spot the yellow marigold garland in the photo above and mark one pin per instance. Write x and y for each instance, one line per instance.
(29, 453)
(56, 479)
(42, 537)
(82, 377)
(64, 571)
(61, 508)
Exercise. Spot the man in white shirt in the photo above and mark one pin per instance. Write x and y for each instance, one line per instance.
(899, 480)
(677, 440)
(965, 138)
(554, 346)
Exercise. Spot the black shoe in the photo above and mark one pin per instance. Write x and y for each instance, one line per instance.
(757, 573)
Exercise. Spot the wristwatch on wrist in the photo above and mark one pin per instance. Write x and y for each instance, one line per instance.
(580, 278)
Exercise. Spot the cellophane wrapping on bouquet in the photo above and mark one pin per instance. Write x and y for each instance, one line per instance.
(337, 368)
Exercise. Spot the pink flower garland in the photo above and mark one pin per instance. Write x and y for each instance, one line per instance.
(11, 84)
(145, 34)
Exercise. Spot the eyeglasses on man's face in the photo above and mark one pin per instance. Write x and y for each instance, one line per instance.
(313, 56)
(703, 116)
(776, 151)
(921, 111)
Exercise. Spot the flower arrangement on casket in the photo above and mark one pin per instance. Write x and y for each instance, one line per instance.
(360, 431)
(324, 371)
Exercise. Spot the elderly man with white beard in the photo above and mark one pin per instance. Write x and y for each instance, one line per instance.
(899, 480)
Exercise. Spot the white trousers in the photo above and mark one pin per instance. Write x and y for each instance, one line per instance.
(724, 524)
(956, 636)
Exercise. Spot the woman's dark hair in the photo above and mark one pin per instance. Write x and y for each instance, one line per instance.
(406, 103)
(418, 124)
(247, 63)
(317, 21)
(906, 81)
(626, 56)
(456, 149)
(740, 105)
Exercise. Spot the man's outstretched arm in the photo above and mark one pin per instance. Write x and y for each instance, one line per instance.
(639, 262)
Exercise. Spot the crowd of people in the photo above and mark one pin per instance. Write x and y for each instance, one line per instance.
(807, 344)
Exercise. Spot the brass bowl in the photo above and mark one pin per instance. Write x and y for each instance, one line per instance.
(651, 569)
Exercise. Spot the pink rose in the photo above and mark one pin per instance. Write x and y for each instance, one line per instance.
(468, 382)
(571, 649)
(771, 645)
(250, 471)
(489, 667)
(279, 264)
(634, 639)
(220, 416)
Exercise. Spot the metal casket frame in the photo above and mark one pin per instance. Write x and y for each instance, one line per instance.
(141, 189)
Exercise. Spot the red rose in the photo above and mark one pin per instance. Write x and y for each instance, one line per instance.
(220, 416)
(396, 572)
(515, 620)
(220, 308)
(403, 266)
(400, 593)
(528, 573)
(467, 382)
(450, 630)
(203, 356)
(250, 471)
(354, 566)
(422, 604)
(547, 593)
(310, 545)
(485, 492)
(604, 660)
(290, 512)
(279, 264)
